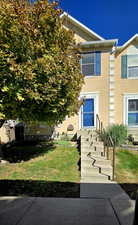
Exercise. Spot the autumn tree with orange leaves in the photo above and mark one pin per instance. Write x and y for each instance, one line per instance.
(40, 77)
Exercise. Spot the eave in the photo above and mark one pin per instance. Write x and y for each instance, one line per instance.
(82, 27)
(126, 44)
(98, 44)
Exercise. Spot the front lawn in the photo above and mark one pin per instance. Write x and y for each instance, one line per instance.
(44, 169)
(127, 171)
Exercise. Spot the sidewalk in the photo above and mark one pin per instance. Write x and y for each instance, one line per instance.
(122, 205)
(113, 207)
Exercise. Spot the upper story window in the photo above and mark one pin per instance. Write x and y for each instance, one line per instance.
(129, 66)
(91, 63)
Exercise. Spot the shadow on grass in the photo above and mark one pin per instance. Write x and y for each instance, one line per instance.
(24, 151)
(39, 188)
(107, 205)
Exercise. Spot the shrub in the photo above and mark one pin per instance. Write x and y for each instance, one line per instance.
(130, 138)
(118, 133)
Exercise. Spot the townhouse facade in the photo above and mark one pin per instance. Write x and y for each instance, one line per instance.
(111, 80)
(111, 84)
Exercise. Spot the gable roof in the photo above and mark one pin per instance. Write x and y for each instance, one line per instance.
(121, 48)
(82, 27)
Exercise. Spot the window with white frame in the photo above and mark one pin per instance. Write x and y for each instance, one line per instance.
(132, 111)
(91, 63)
(129, 66)
(132, 66)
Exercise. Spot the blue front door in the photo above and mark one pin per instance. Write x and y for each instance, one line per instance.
(88, 113)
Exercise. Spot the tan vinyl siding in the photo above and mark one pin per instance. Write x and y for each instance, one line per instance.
(95, 84)
(122, 86)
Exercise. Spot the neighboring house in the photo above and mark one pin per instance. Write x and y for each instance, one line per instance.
(111, 81)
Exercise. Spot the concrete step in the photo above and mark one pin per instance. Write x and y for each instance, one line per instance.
(84, 150)
(95, 178)
(92, 142)
(93, 153)
(102, 163)
(90, 138)
(107, 171)
(97, 158)
(86, 163)
(87, 172)
(92, 157)
(96, 147)
(92, 169)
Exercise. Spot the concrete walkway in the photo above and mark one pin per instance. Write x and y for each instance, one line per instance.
(68, 211)
(120, 202)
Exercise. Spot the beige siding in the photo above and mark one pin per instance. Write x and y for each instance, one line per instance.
(80, 35)
(99, 85)
(122, 86)
(74, 120)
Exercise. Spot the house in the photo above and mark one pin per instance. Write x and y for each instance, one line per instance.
(111, 81)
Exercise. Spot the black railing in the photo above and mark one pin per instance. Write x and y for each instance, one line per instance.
(108, 142)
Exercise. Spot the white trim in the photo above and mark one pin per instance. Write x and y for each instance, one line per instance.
(91, 43)
(87, 95)
(120, 48)
(129, 41)
(86, 29)
(130, 94)
(125, 108)
(111, 114)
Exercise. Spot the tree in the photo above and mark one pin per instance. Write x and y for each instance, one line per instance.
(40, 77)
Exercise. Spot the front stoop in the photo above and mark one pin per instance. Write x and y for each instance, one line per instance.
(96, 179)
(94, 166)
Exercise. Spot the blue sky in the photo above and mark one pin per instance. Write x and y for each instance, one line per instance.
(110, 19)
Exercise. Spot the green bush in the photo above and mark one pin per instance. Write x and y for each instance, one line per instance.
(117, 132)
(130, 138)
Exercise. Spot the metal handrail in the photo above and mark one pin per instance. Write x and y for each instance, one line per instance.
(99, 124)
(108, 142)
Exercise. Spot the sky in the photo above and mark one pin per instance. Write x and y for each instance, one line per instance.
(110, 19)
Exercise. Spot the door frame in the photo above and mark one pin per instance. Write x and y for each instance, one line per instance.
(89, 95)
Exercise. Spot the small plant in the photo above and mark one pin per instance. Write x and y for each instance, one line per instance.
(118, 133)
(130, 138)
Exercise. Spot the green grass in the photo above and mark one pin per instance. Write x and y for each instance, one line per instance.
(40, 166)
(128, 161)
(127, 171)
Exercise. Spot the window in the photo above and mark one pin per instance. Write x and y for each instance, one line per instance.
(132, 112)
(91, 64)
(130, 66)
(133, 71)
